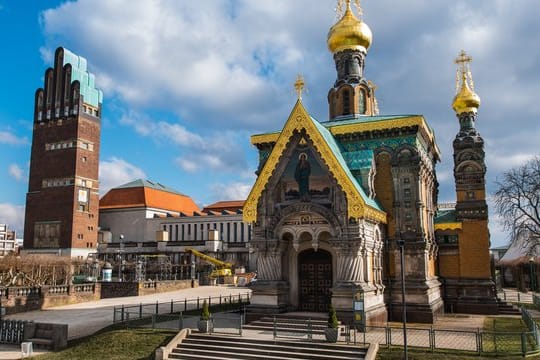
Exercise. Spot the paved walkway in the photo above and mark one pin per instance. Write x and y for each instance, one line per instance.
(86, 318)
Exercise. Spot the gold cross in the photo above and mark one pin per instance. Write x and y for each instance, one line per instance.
(299, 86)
(463, 58)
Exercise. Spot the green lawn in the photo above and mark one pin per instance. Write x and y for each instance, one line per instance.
(416, 354)
(498, 344)
(135, 344)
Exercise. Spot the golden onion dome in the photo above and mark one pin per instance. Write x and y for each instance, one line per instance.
(349, 33)
(466, 100)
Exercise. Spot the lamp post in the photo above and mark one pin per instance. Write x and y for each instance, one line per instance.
(401, 244)
(119, 257)
(531, 273)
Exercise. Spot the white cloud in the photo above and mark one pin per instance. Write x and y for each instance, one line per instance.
(231, 191)
(16, 172)
(10, 139)
(13, 216)
(215, 150)
(115, 172)
(229, 65)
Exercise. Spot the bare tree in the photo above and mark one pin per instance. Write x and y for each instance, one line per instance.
(518, 200)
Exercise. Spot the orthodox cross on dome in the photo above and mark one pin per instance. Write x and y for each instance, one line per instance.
(299, 85)
(464, 71)
(342, 6)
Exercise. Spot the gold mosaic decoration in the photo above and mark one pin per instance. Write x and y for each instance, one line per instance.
(448, 226)
(366, 126)
(299, 120)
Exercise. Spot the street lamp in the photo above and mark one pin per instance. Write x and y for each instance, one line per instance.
(119, 257)
(401, 244)
(531, 273)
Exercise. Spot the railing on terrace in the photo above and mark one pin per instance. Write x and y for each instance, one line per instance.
(19, 291)
(514, 296)
(125, 313)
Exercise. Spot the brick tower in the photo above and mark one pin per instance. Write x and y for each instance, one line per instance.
(62, 201)
(463, 233)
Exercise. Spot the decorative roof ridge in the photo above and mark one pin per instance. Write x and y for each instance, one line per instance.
(359, 205)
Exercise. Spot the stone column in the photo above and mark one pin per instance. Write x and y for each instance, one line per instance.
(270, 293)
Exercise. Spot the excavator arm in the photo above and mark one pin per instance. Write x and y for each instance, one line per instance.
(223, 268)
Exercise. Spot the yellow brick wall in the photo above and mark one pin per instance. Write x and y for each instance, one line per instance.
(474, 250)
(449, 266)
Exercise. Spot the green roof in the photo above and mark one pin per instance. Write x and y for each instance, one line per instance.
(333, 145)
(445, 216)
(148, 184)
(90, 93)
(357, 160)
(355, 119)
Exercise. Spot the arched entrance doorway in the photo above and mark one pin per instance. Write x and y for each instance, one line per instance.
(315, 280)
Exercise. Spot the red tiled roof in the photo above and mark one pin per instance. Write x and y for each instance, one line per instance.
(131, 197)
(231, 205)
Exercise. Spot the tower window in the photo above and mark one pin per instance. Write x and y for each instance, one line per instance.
(346, 103)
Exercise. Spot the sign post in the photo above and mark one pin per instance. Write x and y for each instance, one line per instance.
(359, 319)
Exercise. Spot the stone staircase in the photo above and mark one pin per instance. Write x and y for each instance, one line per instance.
(290, 323)
(507, 309)
(222, 347)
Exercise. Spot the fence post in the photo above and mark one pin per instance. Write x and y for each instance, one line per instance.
(153, 321)
(504, 295)
(310, 335)
(140, 311)
(432, 338)
(157, 307)
(241, 323)
(122, 313)
(198, 300)
(209, 301)
(519, 297)
(113, 318)
(172, 306)
(478, 341)
(180, 321)
(185, 304)
(275, 329)
(388, 331)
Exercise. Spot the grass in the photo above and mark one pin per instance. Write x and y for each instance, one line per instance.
(510, 339)
(135, 344)
(418, 354)
(501, 346)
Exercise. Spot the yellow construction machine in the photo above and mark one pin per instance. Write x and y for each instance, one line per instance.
(222, 268)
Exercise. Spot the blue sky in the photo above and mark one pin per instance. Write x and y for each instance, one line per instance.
(186, 83)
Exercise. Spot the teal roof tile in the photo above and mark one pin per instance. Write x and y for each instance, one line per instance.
(336, 150)
(357, 160)
(148, 184)
(90, 93)
(445, 216)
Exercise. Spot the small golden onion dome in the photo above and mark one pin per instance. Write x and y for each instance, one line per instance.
(466, 100)
(349, 33)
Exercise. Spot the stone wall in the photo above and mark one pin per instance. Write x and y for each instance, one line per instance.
(21, 299)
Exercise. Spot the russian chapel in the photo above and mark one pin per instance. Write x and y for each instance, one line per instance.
(333, 198)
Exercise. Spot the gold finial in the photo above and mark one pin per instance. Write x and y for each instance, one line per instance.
(344, 5)
(466, 100)
(463, 61)
(299, 86)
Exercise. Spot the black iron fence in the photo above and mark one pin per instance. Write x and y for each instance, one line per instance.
(12, 331)
(142, 311)
(226, 322)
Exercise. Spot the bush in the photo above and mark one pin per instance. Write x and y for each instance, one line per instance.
(205, 312)
(332, 318)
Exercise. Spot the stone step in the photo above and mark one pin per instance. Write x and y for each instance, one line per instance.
(204, 346)
(235, 341)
